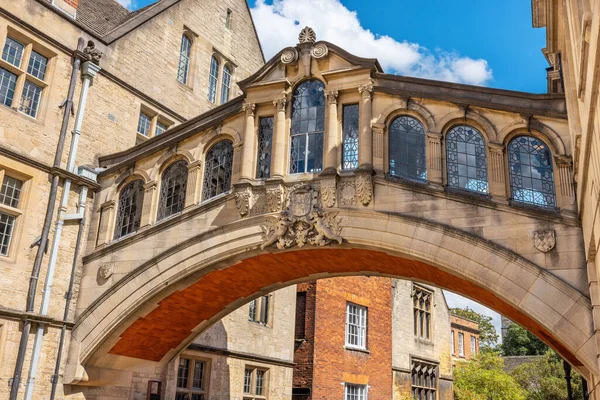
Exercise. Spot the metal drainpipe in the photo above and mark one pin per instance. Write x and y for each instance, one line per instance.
(88, 72)
(35, 273)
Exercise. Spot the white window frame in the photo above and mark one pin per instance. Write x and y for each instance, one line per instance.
(452, 341)
(13, 212)
(361, 313)
(461, 344)
(363, 391)
(473, 345)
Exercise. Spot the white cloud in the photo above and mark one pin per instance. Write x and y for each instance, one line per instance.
(279, 23)
(128, 4)
(455, 300)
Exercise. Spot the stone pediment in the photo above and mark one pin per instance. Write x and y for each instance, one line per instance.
(329, 58)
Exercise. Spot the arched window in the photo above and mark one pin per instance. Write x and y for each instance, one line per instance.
(466, 159)
(531, 176)
(217, 171)
(129, 212)
(226, 84)
(213, 78)
(308, 121)
(407, 148)
(172, 190)
(184, 59)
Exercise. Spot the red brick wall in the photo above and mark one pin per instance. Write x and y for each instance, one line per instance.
(303, 354)
(468, 329)
(72, 3)
(333, 364)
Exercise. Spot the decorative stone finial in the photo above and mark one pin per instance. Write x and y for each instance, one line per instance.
(307, 35)
(92, 52)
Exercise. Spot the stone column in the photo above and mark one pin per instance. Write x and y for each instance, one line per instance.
(194, 184)
(563, 182)
(496, 171)
(279, 140)
(378, 147)
(107, 223)
(150, 204)
(433, 149)
(331, 162)
(249, 143)
(365, 139)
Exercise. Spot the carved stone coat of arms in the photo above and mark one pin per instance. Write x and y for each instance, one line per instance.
(545, 240)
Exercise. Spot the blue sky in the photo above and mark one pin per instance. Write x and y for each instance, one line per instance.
(483, 42)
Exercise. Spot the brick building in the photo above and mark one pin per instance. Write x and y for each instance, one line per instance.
(464, 338)
(358, 335)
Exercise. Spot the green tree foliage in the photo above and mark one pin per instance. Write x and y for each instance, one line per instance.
(520, 342)
(544, 379)
(484, 379)
(488, 338)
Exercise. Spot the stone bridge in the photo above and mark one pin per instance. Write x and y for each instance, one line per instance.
(324, 167)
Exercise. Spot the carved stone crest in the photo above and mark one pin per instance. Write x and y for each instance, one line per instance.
(301, 200)
(242, 202)
(364, 188)
(106, 269)
(307, 35)
(544, 240)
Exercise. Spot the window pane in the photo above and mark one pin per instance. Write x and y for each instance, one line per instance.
(198, 380)
(466, 159)
(226, 84)
(473, 346)
(531, 175)
(356, 325)
(217, 172)
(260, 378)
(461, 344)
(37, 65)
(129, 212)
(265, 144)
(308, 120)
(212, 80)
(172, 190)
(8, 81)
(264, 309)
(144, 124)
(248, 381)
(182, 373)
(252, 311)
(184, 59)
(350, 137)
(13, 52)
(30, 100)
(422, 312)
(407, 148)
(11, 191)
(7, 224)
(160, 128)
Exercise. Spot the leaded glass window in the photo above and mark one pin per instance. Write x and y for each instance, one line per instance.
(531, 176)
(226, 84)
(129, 212)
(37, 65)
(308, 121)
(30, 99)
(13, 51)
(265, 145)
(213, 78)
(407, 148)
(172, 190)
(8, 80)
(466, 159)
(218, 169)
(422, 302)
(424, 380)
(350, 137)
(184, 59)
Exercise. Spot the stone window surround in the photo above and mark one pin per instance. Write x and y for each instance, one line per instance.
(17, 212)
(265, 389)
(259, 304)
(155, 117)
(192, 63)
(207, 372)
(222, 60)
(30, 44)
(421, 288)
(420, 360)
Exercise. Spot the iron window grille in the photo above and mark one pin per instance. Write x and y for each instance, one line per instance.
(531, 175)
(218, 169)
(129, 212)
(144, 123)
(356, 326)
(424, 380)
(213, 78)
(308, 121)
(258, 310)
(191, 376)
(172, 190)
(37, 65)
(355, 392)
(265, 145)
(13, 51)
(407, 148)
(255, 383)
(225, 84)
(8, 81)
(350, 137)
(466, 159)
(184, 59)
(30, 100)
(10, 193)
(422, 300)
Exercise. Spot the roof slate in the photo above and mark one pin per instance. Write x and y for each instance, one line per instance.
(102, 16)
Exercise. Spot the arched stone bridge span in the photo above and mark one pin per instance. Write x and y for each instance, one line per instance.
(329, 167)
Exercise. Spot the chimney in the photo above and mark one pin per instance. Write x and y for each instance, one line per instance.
(68, 7)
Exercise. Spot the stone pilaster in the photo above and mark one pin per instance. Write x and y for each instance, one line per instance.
(249, 143)
(279, 140)
(331, 161)
(378, 147)
(433, 149)
(563, 182)
(150, 205)
(365, 139)
(107, 223)
(237, 161)
(496, 171)
(194, 184)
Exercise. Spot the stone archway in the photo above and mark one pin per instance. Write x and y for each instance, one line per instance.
(157, 308)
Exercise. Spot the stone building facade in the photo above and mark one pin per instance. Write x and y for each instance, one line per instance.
(375, 336)
(464, 338)
(139, 74)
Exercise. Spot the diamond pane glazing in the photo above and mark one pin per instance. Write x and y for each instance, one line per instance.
(350, 137)
(217, 172)
(466, 159)
(172, 190)
(407, 148)
(265, 143)
(308, 121)
(129, 212)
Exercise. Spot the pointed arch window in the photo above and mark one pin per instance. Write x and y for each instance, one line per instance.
(184, 59)
(531, 175)
(407, 148)
(213, 78)
(225, 84)
(466, 159)
(129, 212)
(308, 122)
(172, 190)
(218, 169)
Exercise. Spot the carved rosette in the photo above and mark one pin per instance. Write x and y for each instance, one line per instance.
(319, 50)
(289, 55)
(307, 35)
(242, 202)
(544, 240)
(364, 188)
(328, 192)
